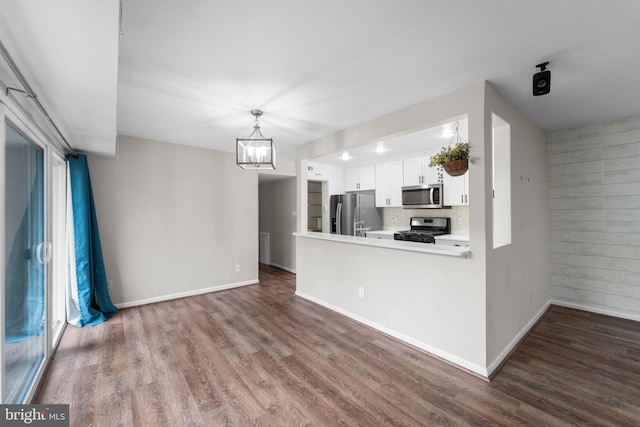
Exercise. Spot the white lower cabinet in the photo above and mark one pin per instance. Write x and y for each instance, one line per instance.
(389, 184)
(456, 189)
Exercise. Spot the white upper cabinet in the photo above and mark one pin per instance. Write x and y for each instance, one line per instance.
(413, 171)
(333, 174)
(389, 179)
(367, 178)
(351, 179)
(432, 174)
(360, 179)
(417, 171)
(455, 189)
(317, 171)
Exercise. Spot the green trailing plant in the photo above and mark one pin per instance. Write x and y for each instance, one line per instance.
(460, 151)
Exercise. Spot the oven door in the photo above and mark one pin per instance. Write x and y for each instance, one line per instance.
(428, 196)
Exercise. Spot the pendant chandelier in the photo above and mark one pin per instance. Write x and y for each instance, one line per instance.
(255, 151)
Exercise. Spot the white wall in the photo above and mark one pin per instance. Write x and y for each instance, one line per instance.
(517, 274)
(594, 212)
(174, 220)
(284, 167)
(277, 209)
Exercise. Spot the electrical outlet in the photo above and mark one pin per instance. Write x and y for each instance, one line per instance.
(394, 219)
(238, 268)
(361, 292)
(460, 220)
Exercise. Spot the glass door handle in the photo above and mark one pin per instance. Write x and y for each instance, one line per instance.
(42, 253)
(36, 253)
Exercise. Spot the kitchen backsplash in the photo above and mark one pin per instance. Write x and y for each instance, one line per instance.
(403, 216)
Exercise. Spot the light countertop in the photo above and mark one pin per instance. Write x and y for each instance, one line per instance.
(382, 232)
(460, 237)
(448, 250)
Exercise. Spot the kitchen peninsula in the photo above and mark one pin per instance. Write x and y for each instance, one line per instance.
(447, 250)
(469, 307)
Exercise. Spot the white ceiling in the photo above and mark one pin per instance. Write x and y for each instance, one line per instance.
(190, 71)
(68, 52)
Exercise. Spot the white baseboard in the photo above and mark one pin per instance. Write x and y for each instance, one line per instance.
(185, 294)
(402, 337)
(516, 339)
(282, 267)
(596, 309)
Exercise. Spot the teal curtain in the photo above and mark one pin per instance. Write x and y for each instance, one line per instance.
(94, 302)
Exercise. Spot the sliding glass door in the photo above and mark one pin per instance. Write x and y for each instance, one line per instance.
(25, 256)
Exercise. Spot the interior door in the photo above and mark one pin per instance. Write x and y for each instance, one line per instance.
(25, 254)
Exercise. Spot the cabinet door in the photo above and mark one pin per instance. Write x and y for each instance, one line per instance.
(395, 184)
(367, 178)
(351, 179)
(383, 178)
(412, 173)
(389, 181)
(430, 173)
(454, 188)
(336, 180)
(466, 188)
(315, 171)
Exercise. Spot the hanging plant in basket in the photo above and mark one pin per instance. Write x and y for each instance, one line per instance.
(454, 159)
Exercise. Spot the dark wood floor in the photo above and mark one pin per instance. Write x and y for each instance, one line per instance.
(258, 355)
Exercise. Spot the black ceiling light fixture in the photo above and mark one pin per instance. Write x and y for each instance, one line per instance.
(542, 80)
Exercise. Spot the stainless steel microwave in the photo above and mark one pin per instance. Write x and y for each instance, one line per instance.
(425, 196)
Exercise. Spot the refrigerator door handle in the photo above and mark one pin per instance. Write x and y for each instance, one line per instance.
(339, 218)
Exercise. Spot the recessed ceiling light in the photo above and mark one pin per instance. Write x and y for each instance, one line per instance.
(447, 131)
(345, 156)
(380, 148)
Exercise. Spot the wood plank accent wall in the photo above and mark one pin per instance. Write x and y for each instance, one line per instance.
(594, 217)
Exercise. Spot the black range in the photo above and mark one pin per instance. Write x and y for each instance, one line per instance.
(424, 229)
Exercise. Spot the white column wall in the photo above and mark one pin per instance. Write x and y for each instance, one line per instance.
(518, 273)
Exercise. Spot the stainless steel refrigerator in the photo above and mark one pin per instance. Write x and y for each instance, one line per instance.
(354, 214)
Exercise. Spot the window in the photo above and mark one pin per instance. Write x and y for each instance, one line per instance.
(501, 181)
